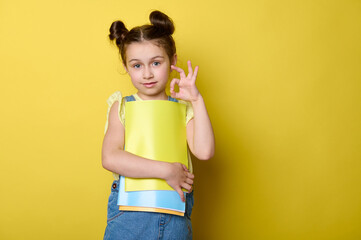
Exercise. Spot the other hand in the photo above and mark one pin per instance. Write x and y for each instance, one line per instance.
(179, 177)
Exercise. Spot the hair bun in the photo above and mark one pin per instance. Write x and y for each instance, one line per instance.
(162, 22)
(118, 32)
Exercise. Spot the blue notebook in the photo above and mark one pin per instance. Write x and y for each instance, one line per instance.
(157, 200)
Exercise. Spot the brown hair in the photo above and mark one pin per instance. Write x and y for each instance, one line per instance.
(160, 30)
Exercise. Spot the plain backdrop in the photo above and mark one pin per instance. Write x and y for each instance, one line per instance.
(281, 80)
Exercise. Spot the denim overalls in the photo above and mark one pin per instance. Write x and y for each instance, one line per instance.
(130, 225)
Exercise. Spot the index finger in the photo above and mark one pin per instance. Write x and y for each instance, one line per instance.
(185, 168)
(181, 71)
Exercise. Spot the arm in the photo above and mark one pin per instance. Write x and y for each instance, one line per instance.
(200, 135)
(115, 159)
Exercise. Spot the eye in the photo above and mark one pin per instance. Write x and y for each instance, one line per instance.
(136, 65)
(156, 63)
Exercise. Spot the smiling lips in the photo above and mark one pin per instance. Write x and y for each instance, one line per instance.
(150, 84)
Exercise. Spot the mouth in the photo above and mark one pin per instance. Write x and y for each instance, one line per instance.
(150, 84)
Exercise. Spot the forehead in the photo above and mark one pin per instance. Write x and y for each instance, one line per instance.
(144, 50)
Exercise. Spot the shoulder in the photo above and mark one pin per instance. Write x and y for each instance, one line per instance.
(116, 96)
(114, 109)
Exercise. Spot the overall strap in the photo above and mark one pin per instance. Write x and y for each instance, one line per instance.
(172, 99)
(132, 98)
(129, 98)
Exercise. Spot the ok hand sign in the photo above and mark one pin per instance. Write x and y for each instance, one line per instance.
(187, 84)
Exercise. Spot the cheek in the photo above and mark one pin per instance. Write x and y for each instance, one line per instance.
(164, 74)
(134, 76)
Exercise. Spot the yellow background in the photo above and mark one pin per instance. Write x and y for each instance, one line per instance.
(282, 83)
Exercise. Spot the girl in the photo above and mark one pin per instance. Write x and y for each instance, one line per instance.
(149, 55)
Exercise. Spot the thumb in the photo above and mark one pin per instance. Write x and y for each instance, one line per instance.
(181, 194)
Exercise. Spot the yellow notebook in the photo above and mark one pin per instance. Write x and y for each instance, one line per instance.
(155, 129)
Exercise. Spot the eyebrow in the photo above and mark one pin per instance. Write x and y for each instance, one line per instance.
(151, 58)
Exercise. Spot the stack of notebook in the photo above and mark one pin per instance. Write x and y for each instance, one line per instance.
(154, 130)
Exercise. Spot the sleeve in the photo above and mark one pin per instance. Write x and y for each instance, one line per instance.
(189, 110)
(189, 116)
(117, 96)
(190, 113)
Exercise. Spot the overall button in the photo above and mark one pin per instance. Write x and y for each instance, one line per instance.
(114, 186)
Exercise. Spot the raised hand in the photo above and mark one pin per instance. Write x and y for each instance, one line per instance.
(179, 177)
(187, 84)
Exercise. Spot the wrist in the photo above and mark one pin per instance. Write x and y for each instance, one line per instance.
(165, 170)
(197, 99)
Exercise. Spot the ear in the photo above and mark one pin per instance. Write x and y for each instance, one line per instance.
(125, 67)
(174, 59)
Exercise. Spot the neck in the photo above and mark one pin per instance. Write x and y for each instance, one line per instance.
(161, 96)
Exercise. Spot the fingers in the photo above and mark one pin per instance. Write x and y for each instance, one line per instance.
(189, 181)
(187, 187)
(185, 168)
(191, 75)
(190, 69)
(181, 179)
(181, 194)
(190, 175)
(181, 71)
(195, 73)
(172, 85)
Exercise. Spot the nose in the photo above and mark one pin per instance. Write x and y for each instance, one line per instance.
(147, 73)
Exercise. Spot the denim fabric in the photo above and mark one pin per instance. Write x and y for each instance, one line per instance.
(172, 99)
(129, 98)
(146, 225)
(132, 98)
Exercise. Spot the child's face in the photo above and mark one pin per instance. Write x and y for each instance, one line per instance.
(148, 67)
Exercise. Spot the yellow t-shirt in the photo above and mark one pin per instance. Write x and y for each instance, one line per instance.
(117, 96)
